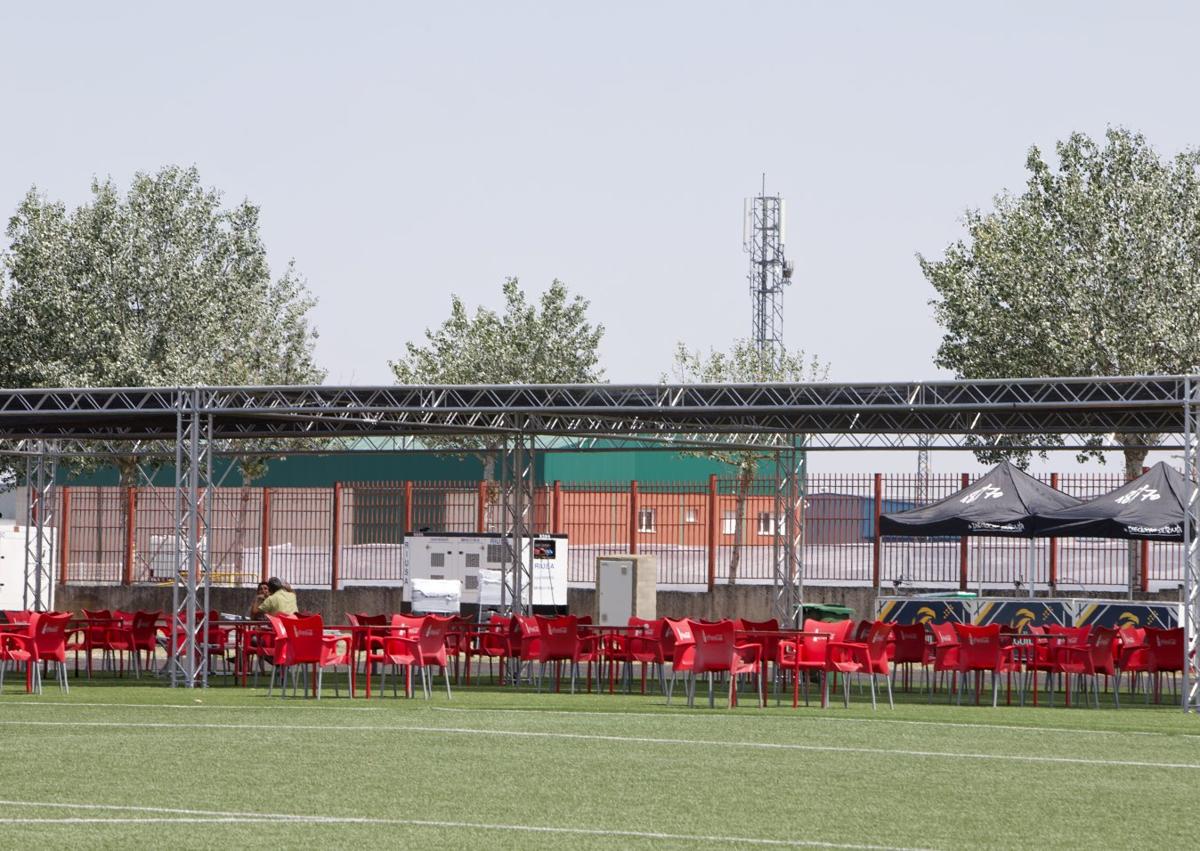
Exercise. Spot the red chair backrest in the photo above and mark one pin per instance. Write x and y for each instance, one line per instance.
(813, 646)
(1131, 636)
(648, 639)
(1166, 648)
(431, 638)
(304, 638)
(525, 633)
(678, 641)
(769, 643)
(1073, 636)
(861, 631)
(713, 647)
(49, 631)
(98, 622)
(144, 626)
(407, 626)
(910, 642)
(1102, 642)
(978, 646)
(878, 645)
(558, 636)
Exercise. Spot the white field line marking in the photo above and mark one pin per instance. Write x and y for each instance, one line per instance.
(283, 704)
(821, 718)
(591, 737)
(186, 816)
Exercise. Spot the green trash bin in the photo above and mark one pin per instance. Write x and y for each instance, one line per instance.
(822, 612)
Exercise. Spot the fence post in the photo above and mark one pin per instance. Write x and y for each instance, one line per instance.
(1052, 579)
(130, 526)
(481, 499)
(408, 508)
(878, 538)
(1145, 559)
(266, 534)
(713, 540)
(633, 516)
(556, 514)
(64, 534)
(962, 546)
(335, 566)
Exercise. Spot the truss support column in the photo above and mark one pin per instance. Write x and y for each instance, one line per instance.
(193, 496)
(517, 485)
(788, 580)
(40, 516)
(1191, 567)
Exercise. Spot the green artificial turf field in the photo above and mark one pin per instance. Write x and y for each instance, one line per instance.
(125, 765)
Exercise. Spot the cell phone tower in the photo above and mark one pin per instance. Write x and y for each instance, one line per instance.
(763, 237)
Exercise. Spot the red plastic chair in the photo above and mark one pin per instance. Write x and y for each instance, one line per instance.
(420, 648)
(980, 651)
(942, 655)
(867, 657)
(1164, 655)
(302, 642)
(363, 636)
(716, 651)
(558, 642)
(1091, 660)
(1133, 658)
(806, 654)
(95, 633)
(524, 639)
(642, 644)
(44, 640)
(679, 644)
(401, 626)
(136, 636)
(908, 649)
(491, 644)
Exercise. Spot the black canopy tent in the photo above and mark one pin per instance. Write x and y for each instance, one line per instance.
(1151, 507)
(1000, 503)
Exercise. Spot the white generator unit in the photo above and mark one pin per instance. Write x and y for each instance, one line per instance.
(475, 560)
(12, 566)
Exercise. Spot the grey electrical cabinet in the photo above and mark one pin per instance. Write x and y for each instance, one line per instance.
(626, 586)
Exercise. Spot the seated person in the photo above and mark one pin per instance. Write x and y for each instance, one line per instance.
(280, 600)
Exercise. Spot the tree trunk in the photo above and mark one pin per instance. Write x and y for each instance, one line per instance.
(1135, 459)
(745, 481)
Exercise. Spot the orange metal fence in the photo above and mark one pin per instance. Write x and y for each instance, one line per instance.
(705, 533)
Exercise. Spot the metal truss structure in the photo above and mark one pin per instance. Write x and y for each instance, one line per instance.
(517, 487)
(40, 542)
(1191, 567)
(788, 580)
(200, 422)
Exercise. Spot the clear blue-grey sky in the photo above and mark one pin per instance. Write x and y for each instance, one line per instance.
(402, 152)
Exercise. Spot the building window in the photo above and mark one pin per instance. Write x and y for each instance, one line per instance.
(690, 515)
(766, 523)
(729, 523)
(645, 519)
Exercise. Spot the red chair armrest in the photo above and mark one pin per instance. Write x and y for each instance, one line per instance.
(749, 653)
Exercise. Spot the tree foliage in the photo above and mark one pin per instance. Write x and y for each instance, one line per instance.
(158, 286)
(744, 363)
(1093, 270)
(547, 342)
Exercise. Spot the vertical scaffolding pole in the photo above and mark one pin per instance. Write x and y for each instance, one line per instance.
(193, 577)
(788, 581)
(518, 497)
(40, 471)
(1191, 566)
